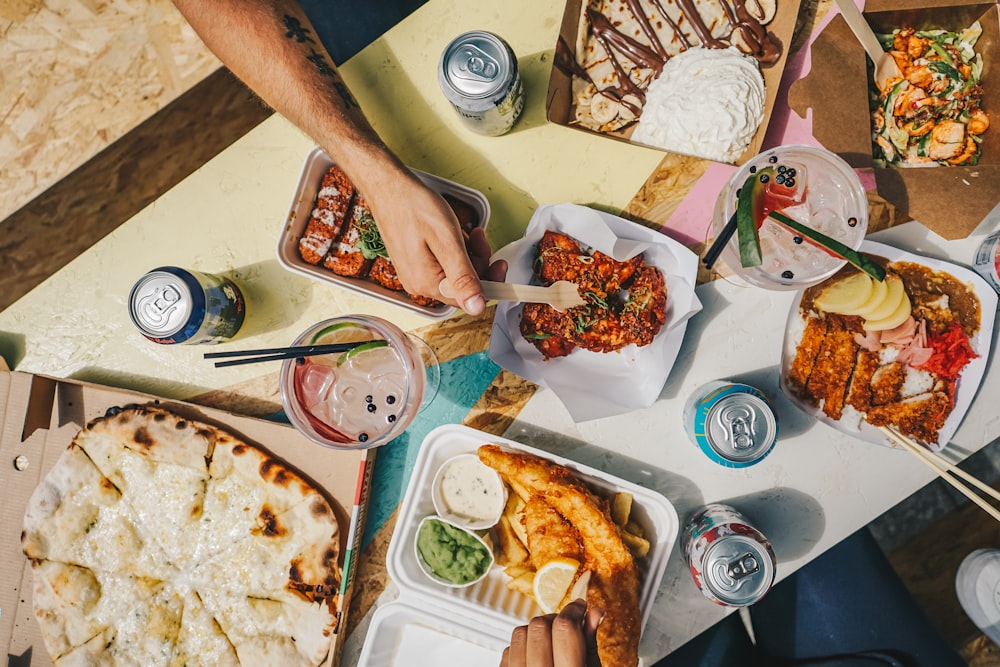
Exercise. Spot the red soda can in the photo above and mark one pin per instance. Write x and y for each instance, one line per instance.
(732, 563)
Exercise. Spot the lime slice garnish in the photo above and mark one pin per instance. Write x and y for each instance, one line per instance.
(340, 332)
(370, 345)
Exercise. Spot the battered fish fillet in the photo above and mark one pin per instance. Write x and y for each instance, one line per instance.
(614, 579)
(550, 535)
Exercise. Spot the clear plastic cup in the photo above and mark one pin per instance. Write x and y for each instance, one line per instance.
(826, 195)
(361, 398)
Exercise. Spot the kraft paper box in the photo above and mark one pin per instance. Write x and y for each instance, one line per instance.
(559, 104)
(951, 201)
(40, 416)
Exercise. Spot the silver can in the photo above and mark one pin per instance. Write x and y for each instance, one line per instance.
(731, 562)
(171, 305)
(732, 423)
(987, 262)
(479, 76)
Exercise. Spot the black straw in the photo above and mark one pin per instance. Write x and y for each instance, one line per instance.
(712, 255)
(278, 353)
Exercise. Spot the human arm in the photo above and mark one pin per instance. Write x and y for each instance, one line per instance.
(566, 639)
(272, 47)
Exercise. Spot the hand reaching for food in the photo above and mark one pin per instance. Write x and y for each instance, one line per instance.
(566, 639)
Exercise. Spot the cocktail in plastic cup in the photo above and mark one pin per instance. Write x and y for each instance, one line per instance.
(357, 399)
(813, 187)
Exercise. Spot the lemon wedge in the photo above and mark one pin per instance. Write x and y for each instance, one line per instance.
(552, 582)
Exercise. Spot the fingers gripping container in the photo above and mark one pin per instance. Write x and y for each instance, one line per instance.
(316, 163)
(431, 625)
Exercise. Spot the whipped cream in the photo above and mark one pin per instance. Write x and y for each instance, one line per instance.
(706, 102)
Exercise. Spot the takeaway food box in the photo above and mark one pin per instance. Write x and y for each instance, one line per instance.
(952, 201)
(40, 417)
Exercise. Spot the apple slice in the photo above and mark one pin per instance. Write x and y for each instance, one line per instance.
(880, 289)
(846, 295)
(892, 321)
(891, 302)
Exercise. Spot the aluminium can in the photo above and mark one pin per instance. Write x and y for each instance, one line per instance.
(171, 305)
(734, 424)
(479, 76)
(987, 262)
(731, 561)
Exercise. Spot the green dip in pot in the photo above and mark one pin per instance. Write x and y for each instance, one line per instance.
(452, 553)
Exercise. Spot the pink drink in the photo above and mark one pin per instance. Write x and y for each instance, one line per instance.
(825, 194)
(356, 399)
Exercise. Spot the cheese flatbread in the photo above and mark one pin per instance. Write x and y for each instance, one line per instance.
(159, 540)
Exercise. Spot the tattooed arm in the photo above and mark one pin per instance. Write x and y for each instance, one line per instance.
(273, 48)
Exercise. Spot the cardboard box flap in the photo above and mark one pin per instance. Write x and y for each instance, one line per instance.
(951, 201)
(41, 416)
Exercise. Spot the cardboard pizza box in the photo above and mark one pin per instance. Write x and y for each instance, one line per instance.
(559, 99)
(951, 201)
(40, 415)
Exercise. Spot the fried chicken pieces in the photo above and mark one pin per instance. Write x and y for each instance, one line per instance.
(564, 518)
(626, 301)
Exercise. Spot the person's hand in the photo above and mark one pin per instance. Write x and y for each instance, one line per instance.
(427, 245)
(568, 639)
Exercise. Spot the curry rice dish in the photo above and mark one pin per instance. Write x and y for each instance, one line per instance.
(833, 371)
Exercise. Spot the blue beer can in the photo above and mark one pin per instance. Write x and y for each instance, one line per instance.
(170, 305)
(734, 424)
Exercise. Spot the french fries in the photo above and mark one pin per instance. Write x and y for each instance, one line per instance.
(511, 540)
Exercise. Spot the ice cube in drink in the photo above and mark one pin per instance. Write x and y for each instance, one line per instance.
(823, 193)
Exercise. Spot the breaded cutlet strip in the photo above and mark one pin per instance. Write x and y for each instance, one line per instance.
(327, 218)
(919, 417)
(859, 391)
(345, 258)
(887, 383)
(805, 353)
(384, 273)
(834, 366)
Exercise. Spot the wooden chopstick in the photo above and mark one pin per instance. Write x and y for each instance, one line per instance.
(277, 353)
(943, 467)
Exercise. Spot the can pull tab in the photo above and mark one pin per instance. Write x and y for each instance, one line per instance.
(156, 307)
(742, 566)
(739, 420)
(477, 65)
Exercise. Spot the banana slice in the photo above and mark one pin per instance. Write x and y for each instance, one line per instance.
(762, 10)
(629, 102)
(603, 109)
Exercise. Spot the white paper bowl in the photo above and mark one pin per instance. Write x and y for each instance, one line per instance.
(491, 476)
(593, 385)
(425, 568)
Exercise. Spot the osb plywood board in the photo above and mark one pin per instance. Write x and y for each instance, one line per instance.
(75, 75)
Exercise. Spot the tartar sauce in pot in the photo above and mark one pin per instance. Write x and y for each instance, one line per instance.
(470, 492)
